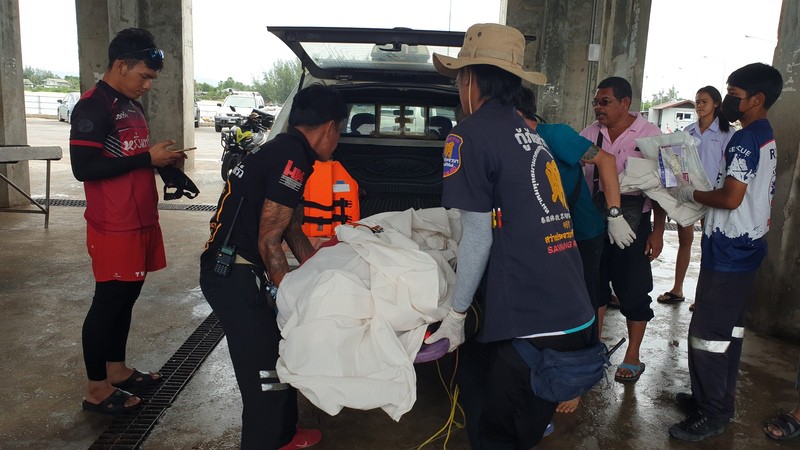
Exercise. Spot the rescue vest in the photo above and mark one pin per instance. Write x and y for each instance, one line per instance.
(330, 199)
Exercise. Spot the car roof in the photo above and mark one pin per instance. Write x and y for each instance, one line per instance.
(370, 54)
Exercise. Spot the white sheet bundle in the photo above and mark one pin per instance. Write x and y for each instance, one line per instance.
(353, 316)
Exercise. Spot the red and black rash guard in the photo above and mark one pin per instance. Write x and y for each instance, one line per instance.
(108, 146)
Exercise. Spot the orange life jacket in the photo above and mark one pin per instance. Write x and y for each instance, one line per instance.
(330, 198)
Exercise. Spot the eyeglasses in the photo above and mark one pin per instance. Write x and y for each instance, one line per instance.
(154, 54)
(603, 102)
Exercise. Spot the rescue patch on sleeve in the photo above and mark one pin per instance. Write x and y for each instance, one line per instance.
(452, 156)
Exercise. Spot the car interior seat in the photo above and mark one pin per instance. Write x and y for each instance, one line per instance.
(362, 124)
(440, 125)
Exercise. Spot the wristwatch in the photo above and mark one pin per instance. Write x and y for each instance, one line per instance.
(614, 211)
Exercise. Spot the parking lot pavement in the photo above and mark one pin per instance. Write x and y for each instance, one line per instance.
(45, 289)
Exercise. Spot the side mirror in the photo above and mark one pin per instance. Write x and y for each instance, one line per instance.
(219, 104)
(60, 102)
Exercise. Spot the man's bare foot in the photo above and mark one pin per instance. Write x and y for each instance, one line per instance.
(569, 406)
(784, 426)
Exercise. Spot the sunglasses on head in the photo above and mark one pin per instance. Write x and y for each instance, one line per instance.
(153, 54)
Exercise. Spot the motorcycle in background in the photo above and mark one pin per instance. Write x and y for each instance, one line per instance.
(242, 139)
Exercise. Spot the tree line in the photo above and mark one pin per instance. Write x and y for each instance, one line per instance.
(274, 85)
(660, 97)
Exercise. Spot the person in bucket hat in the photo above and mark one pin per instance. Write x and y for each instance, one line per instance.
(502, 177)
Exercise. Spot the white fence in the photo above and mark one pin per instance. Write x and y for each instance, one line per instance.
(42, 103)
(46, 103)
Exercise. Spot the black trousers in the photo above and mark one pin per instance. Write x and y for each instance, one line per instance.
(629, 272)
(106, 326)
(591, 256)
(502, 411)
(240, 301)
(716, 333)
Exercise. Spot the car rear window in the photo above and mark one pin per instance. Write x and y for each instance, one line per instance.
(394, 120)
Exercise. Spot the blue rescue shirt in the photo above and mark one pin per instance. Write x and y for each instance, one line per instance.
(733, 239)
(534, 280)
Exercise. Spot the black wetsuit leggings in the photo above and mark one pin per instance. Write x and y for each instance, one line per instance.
(105, 329)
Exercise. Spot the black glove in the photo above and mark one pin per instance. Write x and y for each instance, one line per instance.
(175, 178)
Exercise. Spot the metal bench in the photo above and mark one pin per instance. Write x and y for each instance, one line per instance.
(15, 154)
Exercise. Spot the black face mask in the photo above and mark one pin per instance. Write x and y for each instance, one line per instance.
(730, 108)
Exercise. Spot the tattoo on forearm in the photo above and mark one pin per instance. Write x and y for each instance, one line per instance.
(274, 220)
(591, 152)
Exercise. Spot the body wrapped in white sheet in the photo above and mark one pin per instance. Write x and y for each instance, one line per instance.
(354, 315)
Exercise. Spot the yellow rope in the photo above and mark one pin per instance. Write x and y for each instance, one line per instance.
(452, 393)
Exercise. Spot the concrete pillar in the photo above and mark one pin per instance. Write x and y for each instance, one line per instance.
(169, 105)
(775, 308)
(13, 130)
(564, 30)
(94, 34)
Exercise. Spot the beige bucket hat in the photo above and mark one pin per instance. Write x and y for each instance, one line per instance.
(493, 44)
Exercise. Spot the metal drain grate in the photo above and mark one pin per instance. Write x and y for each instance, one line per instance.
(161, 206)
(62, 202)
(129, 431)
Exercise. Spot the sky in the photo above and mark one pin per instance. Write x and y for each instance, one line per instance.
(691, 43)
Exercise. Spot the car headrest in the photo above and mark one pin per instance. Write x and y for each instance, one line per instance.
(442, 125)
(361, 119)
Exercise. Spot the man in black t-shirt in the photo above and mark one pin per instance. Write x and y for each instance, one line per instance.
(244, 263)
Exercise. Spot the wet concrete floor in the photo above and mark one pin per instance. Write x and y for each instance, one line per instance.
(46, 287)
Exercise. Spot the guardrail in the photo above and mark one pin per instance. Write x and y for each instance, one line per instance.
(42, 103)
(46, 104)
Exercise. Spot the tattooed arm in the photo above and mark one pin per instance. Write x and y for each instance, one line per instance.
(606, 166)
(275, 218)
(295, 238)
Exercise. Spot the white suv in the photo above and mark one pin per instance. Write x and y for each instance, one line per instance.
(235, 108)
(400, 109)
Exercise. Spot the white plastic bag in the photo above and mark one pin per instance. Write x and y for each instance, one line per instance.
(678, 160)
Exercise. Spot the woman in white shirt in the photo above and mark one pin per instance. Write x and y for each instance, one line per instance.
(714, 132)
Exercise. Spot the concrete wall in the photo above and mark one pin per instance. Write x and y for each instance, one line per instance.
(564, 30)
(169, 105)
(12, 103)
(776, 305)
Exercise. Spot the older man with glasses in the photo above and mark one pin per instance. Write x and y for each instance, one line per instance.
(627, 269)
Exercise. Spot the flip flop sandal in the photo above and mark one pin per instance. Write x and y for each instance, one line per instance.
(113, 404)
(669, 298)
(139, 380)
(787, 423)
(632, 368)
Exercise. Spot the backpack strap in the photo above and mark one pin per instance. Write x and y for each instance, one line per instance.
(596, 179)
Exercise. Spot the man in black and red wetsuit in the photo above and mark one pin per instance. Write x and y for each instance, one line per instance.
(111, 154)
